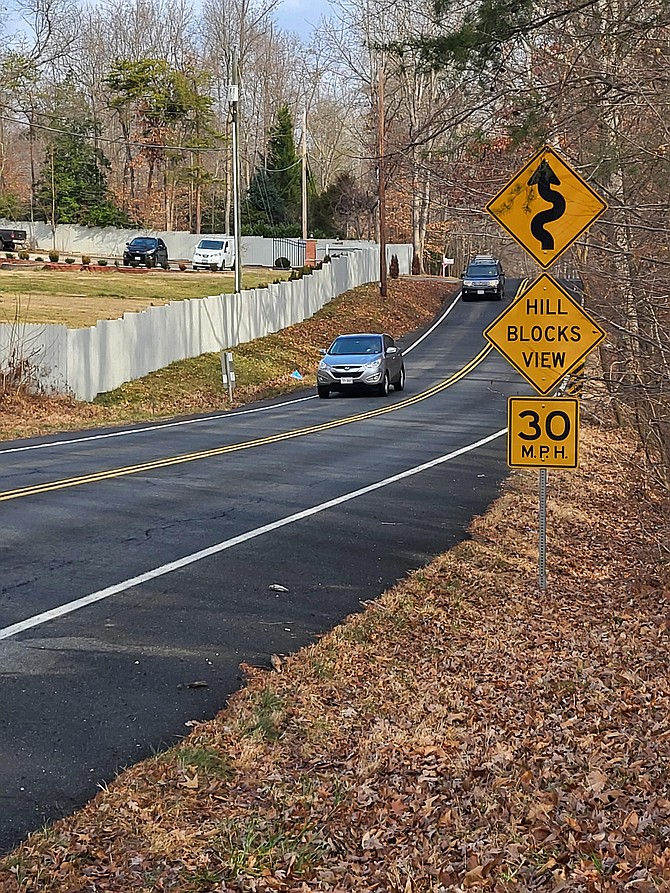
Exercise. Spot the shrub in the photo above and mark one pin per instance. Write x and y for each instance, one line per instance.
(394, 267)
(102, 262)
(39, 260)
(23, 255)
(54, 257)
(9, 255)
(69, 260)
(182, 266)
(326, 258)
(213, 268)
(306, 270)
(85, 260)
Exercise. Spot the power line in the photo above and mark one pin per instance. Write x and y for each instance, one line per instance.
(116, 141)
(111, 140)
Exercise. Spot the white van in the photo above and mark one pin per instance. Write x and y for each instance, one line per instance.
(213, 251)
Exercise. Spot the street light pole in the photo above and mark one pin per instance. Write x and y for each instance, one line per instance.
(233, 96)
(304, 174)
(383, 283)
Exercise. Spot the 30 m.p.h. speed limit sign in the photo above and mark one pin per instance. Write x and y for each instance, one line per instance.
(543, 433)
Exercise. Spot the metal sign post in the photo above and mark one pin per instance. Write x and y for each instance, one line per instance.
(542, 532)
(228, 372)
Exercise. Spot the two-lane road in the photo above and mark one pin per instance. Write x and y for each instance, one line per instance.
(138, 561)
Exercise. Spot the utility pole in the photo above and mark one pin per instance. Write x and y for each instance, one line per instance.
(53, 198)
(234, 99)
(304, 173)
(381, 204)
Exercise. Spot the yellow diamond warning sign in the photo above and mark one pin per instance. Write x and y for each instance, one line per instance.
(546, 206)
(544, 333)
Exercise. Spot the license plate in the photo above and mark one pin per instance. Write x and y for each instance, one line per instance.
(346, 380)
(138, 258)
(480, 291)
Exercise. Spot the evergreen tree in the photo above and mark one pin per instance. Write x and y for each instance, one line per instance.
(274, 200)
(337, 210)
(73, 184)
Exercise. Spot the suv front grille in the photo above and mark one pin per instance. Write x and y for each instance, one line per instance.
(347, 373)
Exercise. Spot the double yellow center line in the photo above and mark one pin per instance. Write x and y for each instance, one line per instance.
(126, 470)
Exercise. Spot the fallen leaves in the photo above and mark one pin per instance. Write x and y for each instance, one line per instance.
(464, 732)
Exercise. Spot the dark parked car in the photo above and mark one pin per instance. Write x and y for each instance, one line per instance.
(146, 251)
(484, 278)
(363, 361)
(9, 238)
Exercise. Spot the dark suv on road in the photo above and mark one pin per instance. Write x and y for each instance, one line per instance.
(146, 251)
(484, 278)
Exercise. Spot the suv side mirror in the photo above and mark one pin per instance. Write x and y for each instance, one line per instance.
(391, 350)
(323, 351)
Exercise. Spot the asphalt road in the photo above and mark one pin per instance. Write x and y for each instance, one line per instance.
(136, 562)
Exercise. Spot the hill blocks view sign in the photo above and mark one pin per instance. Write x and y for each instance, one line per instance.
(544, 334)
(546, 206)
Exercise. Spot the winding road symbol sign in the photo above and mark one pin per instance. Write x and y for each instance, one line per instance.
(546, 206)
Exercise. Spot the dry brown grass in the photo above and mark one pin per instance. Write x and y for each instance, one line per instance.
(464, 732)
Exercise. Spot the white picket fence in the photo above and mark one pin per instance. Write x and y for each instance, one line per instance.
(87, 362)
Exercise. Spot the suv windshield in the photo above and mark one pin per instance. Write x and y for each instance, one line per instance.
(211, 244)
(482, 271)
(142, 243)
(356, 345)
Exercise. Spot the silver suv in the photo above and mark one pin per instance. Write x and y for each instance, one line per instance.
(484, 278)
(361, 361)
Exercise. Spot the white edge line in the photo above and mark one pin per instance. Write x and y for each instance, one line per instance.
(131, 431)
(209, 418)
(435, 324)
(70, 607)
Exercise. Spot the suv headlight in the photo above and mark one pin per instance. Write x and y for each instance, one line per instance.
(323, 366)
(374, 364)
(468, 282)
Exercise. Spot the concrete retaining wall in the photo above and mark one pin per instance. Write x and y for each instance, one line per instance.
(87, 362)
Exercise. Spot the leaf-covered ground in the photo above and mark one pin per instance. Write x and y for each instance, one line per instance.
(463, 732)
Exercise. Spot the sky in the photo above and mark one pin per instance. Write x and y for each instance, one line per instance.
(298, 16)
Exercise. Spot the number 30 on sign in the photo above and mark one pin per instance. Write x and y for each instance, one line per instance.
(543, 433)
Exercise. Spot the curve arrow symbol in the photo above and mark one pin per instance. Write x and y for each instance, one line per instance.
(544, 178)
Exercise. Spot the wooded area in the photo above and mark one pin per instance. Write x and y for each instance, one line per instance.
(119, 114)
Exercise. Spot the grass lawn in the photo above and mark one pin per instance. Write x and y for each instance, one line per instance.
(80, 298)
